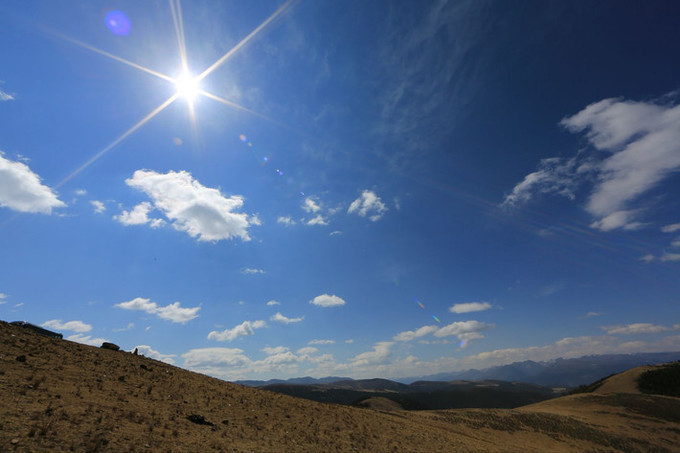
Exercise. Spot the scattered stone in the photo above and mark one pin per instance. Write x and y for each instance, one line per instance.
(144, 367)
(111, 346)
(225, 422)
(199, 420)
(14, 441)
(136, 352)
(21, 358)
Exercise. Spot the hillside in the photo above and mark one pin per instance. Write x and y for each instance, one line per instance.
(421, 395)
(62, 396)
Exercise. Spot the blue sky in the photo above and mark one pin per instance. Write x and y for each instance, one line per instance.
(357, 188)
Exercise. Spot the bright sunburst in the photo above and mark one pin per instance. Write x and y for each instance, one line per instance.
(187, 86)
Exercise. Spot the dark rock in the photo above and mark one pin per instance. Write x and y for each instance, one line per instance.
(199, 420)
(144, 367)
(225, 422)
(111, 346)
(21, 358)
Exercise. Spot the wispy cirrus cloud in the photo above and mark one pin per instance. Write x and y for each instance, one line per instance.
(173, 312)
(21, 189)
(635, 328)
(641, 145)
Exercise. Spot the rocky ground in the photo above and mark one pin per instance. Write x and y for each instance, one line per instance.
(57, 395)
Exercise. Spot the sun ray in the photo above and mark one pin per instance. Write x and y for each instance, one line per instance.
(227, 55)
(117, 58)
(122, 137)
(244, 109)
(176, 10)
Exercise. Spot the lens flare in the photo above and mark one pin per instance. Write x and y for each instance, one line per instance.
(118, 23)
(435, 318)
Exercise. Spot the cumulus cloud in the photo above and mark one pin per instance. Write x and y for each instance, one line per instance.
(244, 329)
(172, 312)
(368, 205)
(379, 354)
(275, 350)
(2, 298)
(307, 350)
(636, 328)
(208, 357)
(413, 334)
(318, 220)
(22, 191)
(310, 205)
(327, 300)
(74, 326)
(86, 339)
(285, 220)
(271, 303)
(641, 145)
(460, 328)
(592, 314)
(202, 212)
(98, 206)
(147, 351)
(469, 307)
(139, 215)
(278, 317)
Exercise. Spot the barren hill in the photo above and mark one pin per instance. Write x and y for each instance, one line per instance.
(56, 395)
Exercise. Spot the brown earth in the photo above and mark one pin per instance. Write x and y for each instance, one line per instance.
(63, 396)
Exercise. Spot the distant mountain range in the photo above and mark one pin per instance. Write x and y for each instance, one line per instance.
(555, 373)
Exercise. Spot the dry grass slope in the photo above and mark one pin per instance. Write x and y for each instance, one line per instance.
(63, 396)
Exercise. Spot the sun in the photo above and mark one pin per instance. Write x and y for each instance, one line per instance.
(187, 86)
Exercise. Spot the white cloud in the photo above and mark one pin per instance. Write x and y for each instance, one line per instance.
(147, 351)
(285, 220)
(321, 342)
(130, 326)
(307, 350)
(244, 329)
(469, 307)
(327, 300)
(251, 271)
(2, 298)
(670, 257)
(209, 357)
(278, 317)
(335, 233)
(349, 341)
(5, 96)
(275, 350)
(641, 144)
(591, 314)
(380, 353)
(413, 334)
(86, 339)
(173, 312)
(633, 329)
(22, 191)
(74, 326)
(368, 205)
(464, 327)
(310, 205)
(80, 192)
(271, 303)
(199, 211)
(138, 216)
(671, 228)
(318, 220)
(99, 207)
